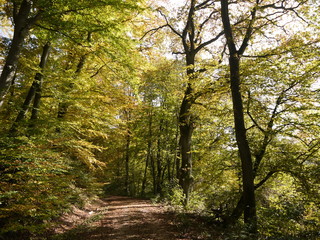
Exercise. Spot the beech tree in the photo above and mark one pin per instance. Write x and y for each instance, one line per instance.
(255, 22)
(192, 41)
(240, 129)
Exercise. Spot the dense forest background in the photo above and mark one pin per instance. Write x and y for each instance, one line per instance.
(212, 106)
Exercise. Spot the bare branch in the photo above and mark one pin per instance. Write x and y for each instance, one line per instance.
(189, 29)
(298, 15)
(282, 6)
(204, 4)
(209, 42)
(286, 9)
(203, 23)
(154, 30)
(169, 25)
(249, 31)
(179, 53)
(222, 53)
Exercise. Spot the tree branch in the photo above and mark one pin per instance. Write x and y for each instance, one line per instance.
(204, 4)
(315, 148)
(249, 31)
(57, 31)
(97, 72)
(209, 42)
(203, 23)
(154, 30)
(169, 25)
(251, 117)
(266, 178)
(227, 26)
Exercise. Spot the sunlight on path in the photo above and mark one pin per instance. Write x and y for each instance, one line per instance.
(132, 219)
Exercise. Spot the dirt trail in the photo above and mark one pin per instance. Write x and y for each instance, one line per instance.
(123, 218)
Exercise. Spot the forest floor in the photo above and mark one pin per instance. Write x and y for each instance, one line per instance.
(124, 218)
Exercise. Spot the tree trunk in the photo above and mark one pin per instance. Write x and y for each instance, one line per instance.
(64, 105)
(169, 168)
(22, 25)
(35, 87)
(176, 160)
(144, 180)
(186, 130)
(238, 210)
(127, 159)
(159, 162)
(250, 216)
(191, 45)
(249, 203)
(178, 163)
(39, 82)
(153, 173)
(8, 111)
(186, 124)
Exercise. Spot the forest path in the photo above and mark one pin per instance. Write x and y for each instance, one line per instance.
(120, 218)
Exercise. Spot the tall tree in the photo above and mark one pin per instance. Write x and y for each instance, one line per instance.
(192, 40)
(256, 20)
(250, 215)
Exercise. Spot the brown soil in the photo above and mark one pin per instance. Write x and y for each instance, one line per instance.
(120, 218)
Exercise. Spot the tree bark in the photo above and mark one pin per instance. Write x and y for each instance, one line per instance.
(22, 26)
(144, 180)
(243, 145)
(159, 162)
(249, 203)
(127, 159)
(34, 89)
(238, 210)
(176, 160)
(186, 124)
(186, 130)
(39, 82)
(169, 168)
(153, 173)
